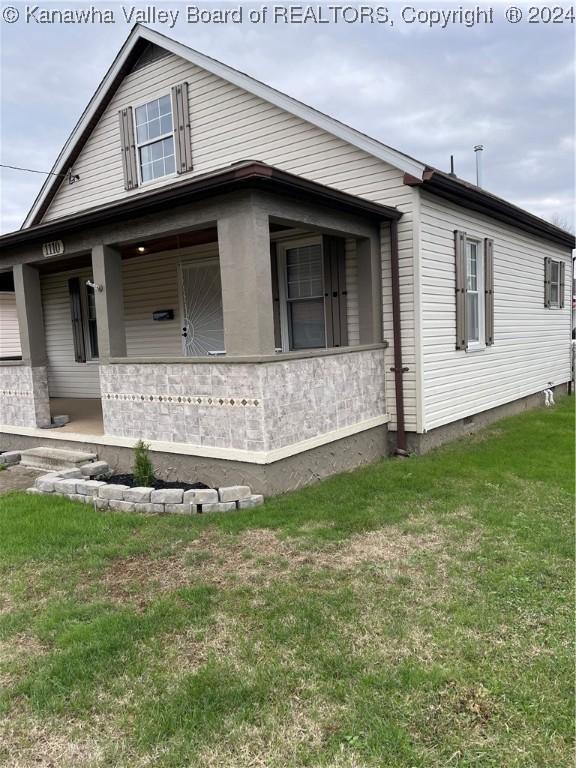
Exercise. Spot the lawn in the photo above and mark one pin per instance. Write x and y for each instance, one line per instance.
(416, 613)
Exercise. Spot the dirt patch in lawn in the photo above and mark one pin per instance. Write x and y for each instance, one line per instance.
(46, 745)
(259, 556)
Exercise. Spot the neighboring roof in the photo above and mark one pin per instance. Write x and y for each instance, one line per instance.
(246, 175)
(128, 54)
(470, 196)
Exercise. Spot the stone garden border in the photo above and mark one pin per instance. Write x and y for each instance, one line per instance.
(85, 484)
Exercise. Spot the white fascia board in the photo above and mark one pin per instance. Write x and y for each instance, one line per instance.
(265, 92)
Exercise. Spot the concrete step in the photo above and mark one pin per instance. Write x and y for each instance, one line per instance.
(55, 458)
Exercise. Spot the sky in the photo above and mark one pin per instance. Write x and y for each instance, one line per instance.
(425, 90)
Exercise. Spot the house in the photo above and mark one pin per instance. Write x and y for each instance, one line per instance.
(263, 293)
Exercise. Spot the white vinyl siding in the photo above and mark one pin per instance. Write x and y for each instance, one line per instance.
(531, 345)
(9, 329)
(229, 125)
(66, 377)
(151, 283)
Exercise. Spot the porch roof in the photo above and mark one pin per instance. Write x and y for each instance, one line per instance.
(251, 174)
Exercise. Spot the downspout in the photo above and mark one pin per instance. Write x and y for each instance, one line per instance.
(398, 369)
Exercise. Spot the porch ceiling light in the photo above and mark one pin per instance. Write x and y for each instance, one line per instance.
(141, 249)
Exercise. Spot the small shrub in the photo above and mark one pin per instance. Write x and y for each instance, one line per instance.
(143, 469)
(3, 467)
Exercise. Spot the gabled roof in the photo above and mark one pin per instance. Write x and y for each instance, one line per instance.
(139, 37)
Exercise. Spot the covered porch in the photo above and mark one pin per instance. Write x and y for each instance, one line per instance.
(239, 315)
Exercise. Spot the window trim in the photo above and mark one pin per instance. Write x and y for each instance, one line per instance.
(138, 145)
(471, 345)
(281, 247)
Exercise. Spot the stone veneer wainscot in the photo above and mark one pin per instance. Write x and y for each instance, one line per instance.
(246, 406)
(24, 400)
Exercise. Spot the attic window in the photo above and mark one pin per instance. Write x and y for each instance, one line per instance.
(155, 139)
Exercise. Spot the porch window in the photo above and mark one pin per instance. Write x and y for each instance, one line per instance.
(305, 297)
(154, 139)
(312, 293)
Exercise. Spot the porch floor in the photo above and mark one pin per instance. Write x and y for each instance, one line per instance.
(85, 414)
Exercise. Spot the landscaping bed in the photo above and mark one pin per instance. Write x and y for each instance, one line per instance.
(156, 483)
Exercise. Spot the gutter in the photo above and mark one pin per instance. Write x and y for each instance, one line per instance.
(399, 370)
(474, 198)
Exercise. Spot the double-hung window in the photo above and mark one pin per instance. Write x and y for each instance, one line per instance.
(554, 283)
(475, 294)
(474, 272)
(155, 139)
(305, 297)
(312, 293)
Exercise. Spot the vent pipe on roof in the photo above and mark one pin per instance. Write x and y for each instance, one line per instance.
(452, 166)
(478, 149)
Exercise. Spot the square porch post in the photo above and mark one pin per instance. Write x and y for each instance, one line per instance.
(32, 411)
(109, 300)
(245, 269)
(30, 315)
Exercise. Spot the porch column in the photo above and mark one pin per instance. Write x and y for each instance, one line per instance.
(30, 316)
(369, 268)
(107, 274)
(245, 269)
(32, 410)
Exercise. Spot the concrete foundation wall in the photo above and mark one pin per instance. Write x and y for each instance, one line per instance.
(248, 407)
(24, 398)
(462, 427)
(270, 479)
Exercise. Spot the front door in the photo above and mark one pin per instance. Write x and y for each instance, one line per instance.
(202, 317)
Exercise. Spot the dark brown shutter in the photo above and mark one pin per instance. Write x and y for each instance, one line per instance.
(562, 271)
(461, 284)
(335, 301)
(129, 161)
(547, 280)
(489, 291)
(182, 135)
(275, 296)
(76, 315)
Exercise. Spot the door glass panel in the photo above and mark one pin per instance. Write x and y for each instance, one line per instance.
(203, 321)
(307, 324)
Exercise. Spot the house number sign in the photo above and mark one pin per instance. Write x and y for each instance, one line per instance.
(55, 248)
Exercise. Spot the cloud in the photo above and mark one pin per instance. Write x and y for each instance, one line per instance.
(429, 93)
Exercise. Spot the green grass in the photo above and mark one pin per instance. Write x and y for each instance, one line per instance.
(417, 613)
